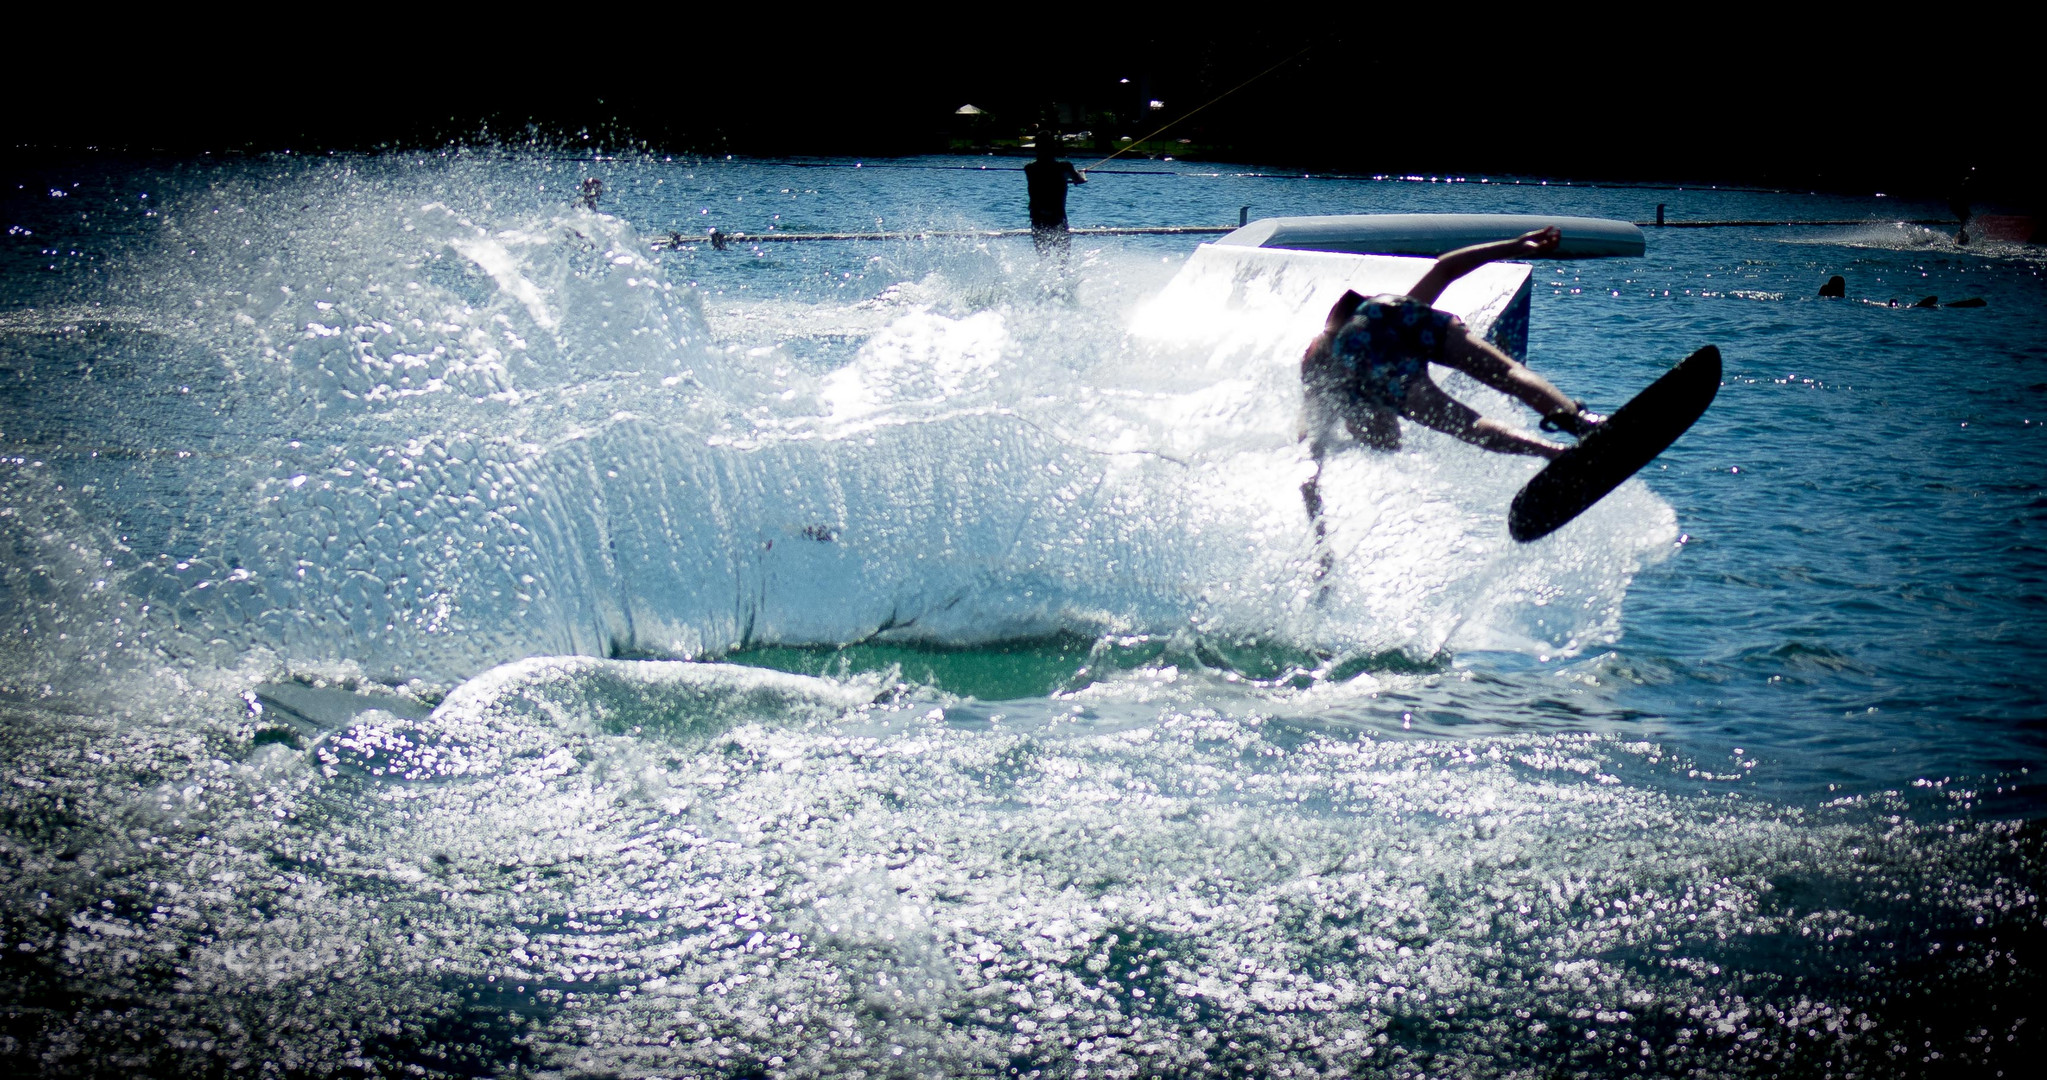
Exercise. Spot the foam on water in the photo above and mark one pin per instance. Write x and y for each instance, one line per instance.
(437, 427)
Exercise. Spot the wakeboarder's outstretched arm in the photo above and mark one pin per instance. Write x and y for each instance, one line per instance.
(1453, 265)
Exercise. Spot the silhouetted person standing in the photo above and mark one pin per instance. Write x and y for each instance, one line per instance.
(1048, 177)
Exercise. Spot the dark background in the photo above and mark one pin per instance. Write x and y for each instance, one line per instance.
(1834, 105)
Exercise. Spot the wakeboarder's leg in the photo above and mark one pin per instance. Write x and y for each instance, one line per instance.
(1311, 498)
(1483, 361)
(1428, 404)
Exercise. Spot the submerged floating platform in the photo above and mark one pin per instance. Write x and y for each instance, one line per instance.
(1747, 224)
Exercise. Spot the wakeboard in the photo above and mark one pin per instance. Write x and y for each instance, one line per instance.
(1630, 439)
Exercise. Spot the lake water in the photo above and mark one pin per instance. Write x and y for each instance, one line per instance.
(450, 633)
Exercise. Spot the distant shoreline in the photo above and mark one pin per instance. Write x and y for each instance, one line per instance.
(26, 158)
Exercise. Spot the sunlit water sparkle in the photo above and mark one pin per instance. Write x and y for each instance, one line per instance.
(398, 557)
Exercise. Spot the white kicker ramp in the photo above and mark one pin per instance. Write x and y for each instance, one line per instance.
(1434, 234)
(1254, 303)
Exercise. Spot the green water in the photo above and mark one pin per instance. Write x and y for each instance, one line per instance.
(1014, 670)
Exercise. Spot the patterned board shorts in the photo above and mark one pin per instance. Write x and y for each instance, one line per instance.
(1390, 340)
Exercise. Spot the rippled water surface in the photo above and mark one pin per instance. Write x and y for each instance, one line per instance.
(452, 631)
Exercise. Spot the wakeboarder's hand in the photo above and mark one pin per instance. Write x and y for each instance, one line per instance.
(1539, 242)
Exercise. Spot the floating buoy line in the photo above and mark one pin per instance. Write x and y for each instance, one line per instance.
(721, 239)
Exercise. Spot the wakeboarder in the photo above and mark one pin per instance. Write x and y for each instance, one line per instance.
(1369, 366)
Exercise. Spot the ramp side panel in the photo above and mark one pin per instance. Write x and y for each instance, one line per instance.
(1510, 330)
